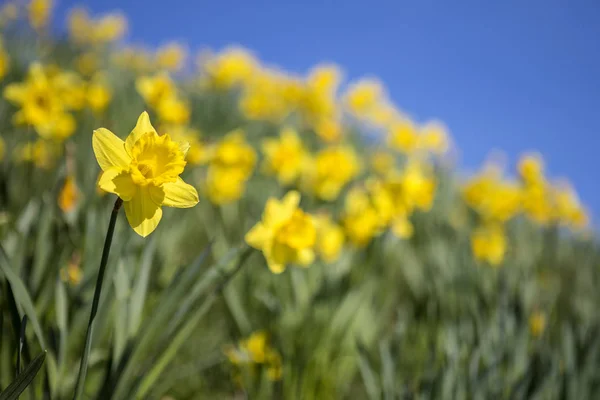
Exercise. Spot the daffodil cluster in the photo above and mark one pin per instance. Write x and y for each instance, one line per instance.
(255, 351)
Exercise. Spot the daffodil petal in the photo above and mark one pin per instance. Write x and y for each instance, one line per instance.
(142, 213)
(306, 257)
(109, 150)
(15, 93)
(275, 267)
(278, 211)
(179, 194)
(117, 181)
(142, 126)
(184, 147)
(258, 236)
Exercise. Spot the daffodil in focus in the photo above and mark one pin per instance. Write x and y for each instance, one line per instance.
(286, 235)
(39, 12)
(330, 238)
(285, 156)
(488, 244)
(144, 172)
(69, 195)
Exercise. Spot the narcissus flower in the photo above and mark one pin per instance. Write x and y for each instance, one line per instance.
(256, 350)
(171, 57)
(69, 195)
(39, 12)
(144, 172)
(285, 235)
(284, 157)
(330, 238)
(489, 244)
(334, 167)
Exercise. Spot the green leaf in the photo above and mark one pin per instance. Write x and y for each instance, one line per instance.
(14, 390)
(138, 295)
(21, 295)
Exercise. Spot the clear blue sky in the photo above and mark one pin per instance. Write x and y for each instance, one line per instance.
(509, 75)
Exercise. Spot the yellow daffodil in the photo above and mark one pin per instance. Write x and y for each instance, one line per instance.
(285, 235)
(537, 324)
(155, 89)
(99, 94)
(72, 273)
(256, 350)
(333, 168)
(87, 64)
(567, 207)
(69, 195)
(488, 244)
(39, 12)
(232, 67)
(199, 153)
(434, 137)
(171, 57)
(382, 162)
(403, 136)
(4, 60)
(330, 238)
(225, 185)
(44, 99)
(109, 28)
(144, 172)
(361, 220)
(330, 130)
(235, 153)
(531, 168)
(41, 153)
(285, 156)
(173, 110)
(363, 96)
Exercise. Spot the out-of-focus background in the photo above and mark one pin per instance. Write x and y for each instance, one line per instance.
(396, 199)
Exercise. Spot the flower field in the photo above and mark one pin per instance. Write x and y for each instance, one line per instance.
(233, 230)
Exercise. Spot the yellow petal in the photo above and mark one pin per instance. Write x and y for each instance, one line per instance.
(306, 257)
(179, 194)
(117, 181)
(109, 150)
(277, 211)
(142, 126)
(258, 236)
(274, 266)
(15, 93)
(142, 213)
(184, 147)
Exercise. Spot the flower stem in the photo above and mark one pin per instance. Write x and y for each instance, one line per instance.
(88, 336)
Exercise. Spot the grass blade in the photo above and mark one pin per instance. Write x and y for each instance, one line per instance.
(14, 390)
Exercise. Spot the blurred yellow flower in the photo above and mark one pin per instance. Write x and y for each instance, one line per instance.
(330, 238)
(403, 136)
(4, 60)
(363, 96)
(171, 57)
(85, 30)
(402, 227)
(434, 137)
(263, 97)
(382, 161)
(285, 156)
(537, 324)
(42, 104)
(233, 66)
(41, 153)
(99, 94)
(329, 130)
(144, 172)
(285, 235)
(155, 89)
(87, 63)
(39, 12)
(531, 168)
(235, 153)
(256, 350)
(568, 209)
(333, 168)
(69, 195)
(488, 244)
(225, 185)
(537, 202)
(361, 220)
(173, 110)
(72, 273)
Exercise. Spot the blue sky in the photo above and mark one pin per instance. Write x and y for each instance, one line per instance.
(503, 75)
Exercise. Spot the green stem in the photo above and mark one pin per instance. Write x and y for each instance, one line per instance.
(88, 336)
